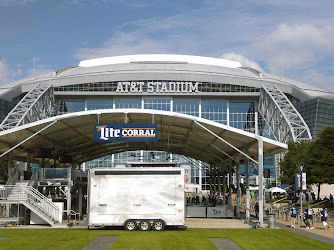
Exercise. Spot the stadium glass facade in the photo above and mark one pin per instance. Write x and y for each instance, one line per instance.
(5, 107)
(318, 113)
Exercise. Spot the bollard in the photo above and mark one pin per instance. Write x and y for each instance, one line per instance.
(271, 220)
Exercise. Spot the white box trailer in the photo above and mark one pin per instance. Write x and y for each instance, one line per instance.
(144, 198)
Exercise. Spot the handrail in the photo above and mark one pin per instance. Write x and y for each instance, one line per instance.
(15, 172)
(72, 212)
(320, 202)
(32, 197)
(33, 179)
(281, 199)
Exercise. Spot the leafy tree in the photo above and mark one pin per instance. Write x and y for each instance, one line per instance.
(298, 155)
(322, 158)
(316, 156)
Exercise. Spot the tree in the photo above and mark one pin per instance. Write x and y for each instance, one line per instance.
(322, 158)
(316, 156)
(298, 155)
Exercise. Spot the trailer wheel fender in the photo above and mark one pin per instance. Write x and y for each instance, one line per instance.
(158, 225)
(144, 225)
(130, 225)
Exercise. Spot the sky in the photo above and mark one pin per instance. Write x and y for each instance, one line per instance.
(292, 38)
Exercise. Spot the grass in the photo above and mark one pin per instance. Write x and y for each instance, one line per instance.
(170, 239)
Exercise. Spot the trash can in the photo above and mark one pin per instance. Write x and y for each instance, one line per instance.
(271, 220)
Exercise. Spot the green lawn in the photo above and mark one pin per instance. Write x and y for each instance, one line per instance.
(170, 239)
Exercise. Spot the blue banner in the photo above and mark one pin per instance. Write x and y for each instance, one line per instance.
(133, 132)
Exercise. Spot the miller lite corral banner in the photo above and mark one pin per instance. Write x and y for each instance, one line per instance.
(135, 132)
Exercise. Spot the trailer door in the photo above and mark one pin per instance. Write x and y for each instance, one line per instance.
(137, 195)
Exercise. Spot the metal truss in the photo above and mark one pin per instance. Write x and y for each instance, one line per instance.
(36, 105)
(282, 117)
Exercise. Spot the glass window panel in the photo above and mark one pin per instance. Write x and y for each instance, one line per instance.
(214, 110)
(99, 104)
(242, 116)
(70, 106)
(128, 103)
(157, 103)
(186, 106)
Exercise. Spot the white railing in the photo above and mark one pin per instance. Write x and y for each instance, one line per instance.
(31, 198)
(71, 213)
(13, 177)
(34, 179)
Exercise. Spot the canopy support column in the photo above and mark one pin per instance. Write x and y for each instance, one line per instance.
(10, 165)
(230, 187)
(237, 175)
(223, 188)
(80, 201)
(247, 192)
(260, 159)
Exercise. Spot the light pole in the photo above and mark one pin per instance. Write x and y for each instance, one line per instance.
(301, 189)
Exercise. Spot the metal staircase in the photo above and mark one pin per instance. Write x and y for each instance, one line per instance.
(282, 117)
(32, 199)
(37, 104)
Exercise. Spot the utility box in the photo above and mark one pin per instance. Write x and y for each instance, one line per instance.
(137, 198)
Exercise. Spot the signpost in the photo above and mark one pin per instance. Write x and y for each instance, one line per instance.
(300, 182)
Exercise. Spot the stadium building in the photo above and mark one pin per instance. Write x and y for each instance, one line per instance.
(214, 118)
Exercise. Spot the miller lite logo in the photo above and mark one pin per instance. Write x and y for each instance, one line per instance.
(125, 132)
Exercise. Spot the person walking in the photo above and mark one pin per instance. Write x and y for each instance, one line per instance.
(308, 214)
(324, 217)
(256, 208)
(293, 215)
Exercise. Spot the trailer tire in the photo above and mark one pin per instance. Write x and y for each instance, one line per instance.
(130, 225)
(158, 225)
(144, 225)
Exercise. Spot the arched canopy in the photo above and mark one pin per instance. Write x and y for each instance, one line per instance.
(73, 134)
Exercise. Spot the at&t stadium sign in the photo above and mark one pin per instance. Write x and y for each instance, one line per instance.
(157, 87)
(135, 132)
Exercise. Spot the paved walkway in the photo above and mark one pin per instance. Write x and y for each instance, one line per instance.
(318, 233)
(101, 243)
(225, 244)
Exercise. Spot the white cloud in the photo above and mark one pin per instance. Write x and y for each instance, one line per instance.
(295, 46)
(123, 44)
(242, 60)
(300, 44)
(12, 3)
(6, 75)
(319, 80)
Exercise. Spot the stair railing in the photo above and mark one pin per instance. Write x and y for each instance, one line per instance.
(34, 178)
(33, 197)
(13, 177)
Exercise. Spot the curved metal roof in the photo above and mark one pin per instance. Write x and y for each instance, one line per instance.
(160, 58)
(163, 67)
(177, 133)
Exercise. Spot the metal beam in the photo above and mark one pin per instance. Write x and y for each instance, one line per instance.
(232, 146)
(27, 139)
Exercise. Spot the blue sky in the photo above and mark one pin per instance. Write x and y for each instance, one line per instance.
(292, 36)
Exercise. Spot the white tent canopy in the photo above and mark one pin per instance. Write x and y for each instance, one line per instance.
(276, 190)
(73, 134)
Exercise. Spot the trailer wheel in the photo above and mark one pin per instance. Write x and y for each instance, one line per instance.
(130, 225)
(144, 225)
(159, 225)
